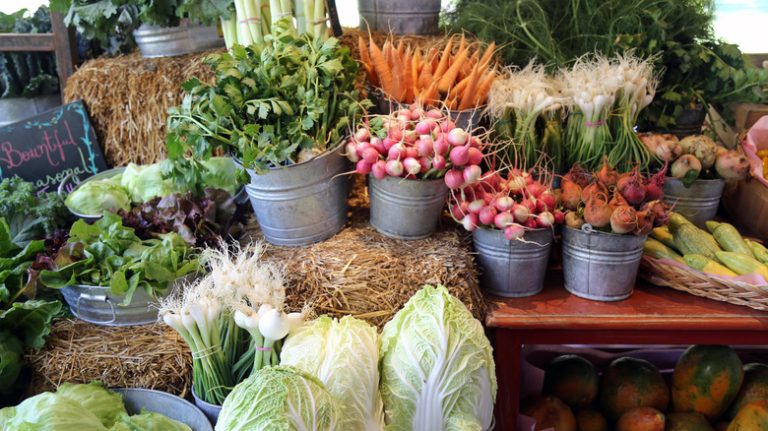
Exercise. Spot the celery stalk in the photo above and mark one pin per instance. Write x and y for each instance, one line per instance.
(252, 20)
(243, 33)
(301, 19)
(318, 20)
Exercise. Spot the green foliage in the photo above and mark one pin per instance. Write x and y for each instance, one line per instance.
(204, 11)
(110, 22)
(269, 102)
(30, 216)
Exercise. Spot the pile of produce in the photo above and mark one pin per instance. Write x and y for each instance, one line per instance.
(431, 368)
(30, 215)
(80, 407)
(107, 253)
(252, 20)
(710, 388)
(273, 104)
(457, 80)
(628, 203)
(696, 157)
(414, 144)
(720, 252)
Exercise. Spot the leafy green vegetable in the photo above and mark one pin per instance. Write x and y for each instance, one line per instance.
(108, 253)
(270, 102)
(104, 404)
(30, 216)
(111, 22)
(279, 398)
(148, 422)
(144, 182)
(97, 197)
(49, 412)
(220, 173)
(30, 320)
(344, 355)
(11, 358)
(437, 369)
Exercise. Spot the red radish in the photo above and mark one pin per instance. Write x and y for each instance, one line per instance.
(475, 156)
(514, 231)
(416, 112)
(425, 147)
(370, 155)
(351, 151)
(411, 152)
(469, 222)
(425, 127)
(457, 137)
(474, 142)
(378, 144)
(396, 152)
(362, 167)
(534, 189)
(520, 212)
(476, 205)
(379, 169)
(503, 219)
(559, 217)
(548, 199)
(487, 215)
(472, 174)
(460, 210)
(410, 136)
(529, 203)
(545, 219)
(395, 168)
(447, 125)
(459, 155)
(396, 134)
(411, 166)
(426, 164)
(440, 146)
(504, 203)
(454, 179)
(631, 187)
(434, 114)
(362, 135)
(515, 183)
(438, 162)
(387, 143)
(531, 223)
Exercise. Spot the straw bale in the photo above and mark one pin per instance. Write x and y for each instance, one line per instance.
(149, 356)
(127, 98)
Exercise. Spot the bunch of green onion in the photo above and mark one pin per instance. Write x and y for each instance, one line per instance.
(253, 19)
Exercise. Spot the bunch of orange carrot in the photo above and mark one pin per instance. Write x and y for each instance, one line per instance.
(459, 80)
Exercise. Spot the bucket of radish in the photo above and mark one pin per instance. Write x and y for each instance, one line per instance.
(412, 158)
(511, 214)
(608, 217)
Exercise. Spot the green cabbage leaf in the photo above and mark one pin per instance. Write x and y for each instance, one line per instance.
(437, 369)
(50, 412)
(97, 197)
(148, 421)
(144, 182)
(344, 355)
(103, 403)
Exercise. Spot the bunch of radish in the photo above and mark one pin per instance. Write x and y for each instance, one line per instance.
(416, 144)
(628, 203)
(512, 202)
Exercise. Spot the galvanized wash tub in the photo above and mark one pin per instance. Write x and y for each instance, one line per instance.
(400, 16)
(303, 203)
(166, 404)
(598, 265)
(406, 209)
(512, 268)
(698, 203)
(155, 41)
(211, 411)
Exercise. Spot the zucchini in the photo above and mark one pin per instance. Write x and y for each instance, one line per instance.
(691, 240)
(707, 266)
(742, 264)
(658, 250)
(712, 225)
(730, 239)
(676, 220)
(758, 250)
(663, 235)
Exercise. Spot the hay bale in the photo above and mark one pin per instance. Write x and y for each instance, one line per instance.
(127, 98)
(150, 356)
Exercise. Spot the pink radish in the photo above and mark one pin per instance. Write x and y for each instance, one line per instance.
(459, 156)
(362, 167)
(457, 137)
(504, 203)
(362, 135)
(438, 162)
(515, 183)
(503, 219)
(474, 142)
(531, 223)
(410, 136)
(351, 151)
(396, 134)
(520, 212)
(545, 219)
(387, 143)
(370, 155)
(396, 152)
(441, 146)
(411, 152)
(469, 222)
(514, 231)
(426, 164)
(476, 206)
(379, 169)
(486, 215)
(360, 148)
(425, 147)
(378, 144)
(411, 165)
(425, 127)
(475, 156)
(459, 211)
(472, 174)
(454, 179)
(447, 126)
(434, 114)
(395, 168)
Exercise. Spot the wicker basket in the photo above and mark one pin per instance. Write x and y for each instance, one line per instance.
(697, 283)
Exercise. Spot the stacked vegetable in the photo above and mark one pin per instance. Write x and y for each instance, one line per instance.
(457, 80)
(695, 157)
(252, 19)
(416, 144)
(76, 407)
(721, 252)
(628, 203)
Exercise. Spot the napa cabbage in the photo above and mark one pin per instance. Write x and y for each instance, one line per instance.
(437, 369)
(279, 399)
(344, 355)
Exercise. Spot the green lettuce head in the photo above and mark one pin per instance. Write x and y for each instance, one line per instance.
(144, 182)
(437, 369)
(49, 412)
(148, 422)
(279, 399)
(103, 403)
(98, 197)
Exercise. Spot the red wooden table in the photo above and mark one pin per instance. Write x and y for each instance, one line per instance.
(652, 315)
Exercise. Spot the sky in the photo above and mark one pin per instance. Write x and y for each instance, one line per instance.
(744, 22)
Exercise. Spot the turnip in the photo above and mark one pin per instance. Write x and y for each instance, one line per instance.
(394, 168)
(459, 156)
(504, 203)
(686, 169)
(520, 212)
(370, 155)
(454, 179)
(469, 222)
(438, 162)
(379, 169)
(732, 165)
(487, 215)
(411, 166)
(503, 219)
(457, 137)
(472, 174)
(514, 231)
(362, 167)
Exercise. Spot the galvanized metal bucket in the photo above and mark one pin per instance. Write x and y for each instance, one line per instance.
(699, 202)
(512, 269)
(600, 266)
(211, 411)
(303, 203)
(176, 408)
(468, 119)
(400, 16)
(406, 209)
(97, 305)
(155, 41)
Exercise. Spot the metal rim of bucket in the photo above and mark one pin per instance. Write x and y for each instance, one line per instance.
(392, 213)
(467, 119)
(149, 399)
(509, 257)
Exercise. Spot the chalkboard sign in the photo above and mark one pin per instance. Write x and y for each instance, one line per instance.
(50, 147)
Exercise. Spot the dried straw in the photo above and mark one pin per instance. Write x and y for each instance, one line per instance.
(127, 98)
(150, 356)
